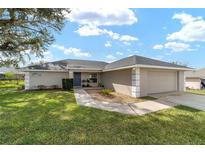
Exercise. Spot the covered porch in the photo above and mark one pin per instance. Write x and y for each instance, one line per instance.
(86, 80)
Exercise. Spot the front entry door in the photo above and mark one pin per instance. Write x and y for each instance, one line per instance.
(77, 79)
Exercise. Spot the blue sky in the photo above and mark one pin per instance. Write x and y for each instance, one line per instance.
(108, 35)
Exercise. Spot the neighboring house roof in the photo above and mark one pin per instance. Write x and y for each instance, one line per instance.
(200, 73)
(103, 66)
(10, 69)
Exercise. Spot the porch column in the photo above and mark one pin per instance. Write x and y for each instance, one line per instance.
(70, 74)
(136, 82)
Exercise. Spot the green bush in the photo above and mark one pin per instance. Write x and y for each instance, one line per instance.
(21, 87)
(106, 91)
(67, 84)
(100, 85)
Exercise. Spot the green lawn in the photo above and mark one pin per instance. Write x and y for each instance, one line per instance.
(11, 83)
(53, 117)
(199, 92)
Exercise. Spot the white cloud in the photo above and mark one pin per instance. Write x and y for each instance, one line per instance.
(102, 16)
(108, 44)
(127, 38)
(91, 19)
(95, 31)
(185, 18)
(119, 53)
(110, 57)
(158, 47)
(177, 47)
(89, 31)
(193, 28)
(173, 46)
(72, 51)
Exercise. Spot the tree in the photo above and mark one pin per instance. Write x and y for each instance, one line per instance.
(179, 63)
(8, 75)
(28, 31)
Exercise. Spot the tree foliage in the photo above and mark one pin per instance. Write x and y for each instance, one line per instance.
(8, 75)
(28, 31)
(179, 63)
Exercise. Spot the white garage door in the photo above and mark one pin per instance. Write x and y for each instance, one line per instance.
(162, 81)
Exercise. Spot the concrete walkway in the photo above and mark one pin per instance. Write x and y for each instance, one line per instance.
(84, 99)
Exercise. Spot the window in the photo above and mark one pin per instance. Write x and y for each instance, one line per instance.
(93, 77)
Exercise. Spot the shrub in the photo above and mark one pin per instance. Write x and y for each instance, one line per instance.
(67, 84)
(100, 85)
(21, 87)
(106, 91)
(83, 81)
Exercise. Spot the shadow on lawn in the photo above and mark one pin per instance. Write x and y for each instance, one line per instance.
(53, 117)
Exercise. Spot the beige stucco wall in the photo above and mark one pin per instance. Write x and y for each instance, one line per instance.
(162, 80)
(85, 76)
(193, 83)
(45, 78)
(120, 81)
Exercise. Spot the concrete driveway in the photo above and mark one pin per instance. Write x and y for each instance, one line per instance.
(186, 99)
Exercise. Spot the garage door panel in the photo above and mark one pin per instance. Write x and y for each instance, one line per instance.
(159, 81)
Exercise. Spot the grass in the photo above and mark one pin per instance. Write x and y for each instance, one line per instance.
(199, 92)
(11, 83)
(53, 117)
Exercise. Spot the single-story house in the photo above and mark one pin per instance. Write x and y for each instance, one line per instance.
(195, 79)
(135, 76)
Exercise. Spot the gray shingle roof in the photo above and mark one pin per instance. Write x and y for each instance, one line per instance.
(69, 64)
(133, 60)
(200, 73)
(99, 65)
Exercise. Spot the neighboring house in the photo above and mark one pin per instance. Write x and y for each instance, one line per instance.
(17, 74)
(195, 79)
(135, 76)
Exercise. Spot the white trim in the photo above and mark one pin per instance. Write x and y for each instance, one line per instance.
(164, 67)
(73, 70)
(85, 70)
(45, 71)
(148, 66)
